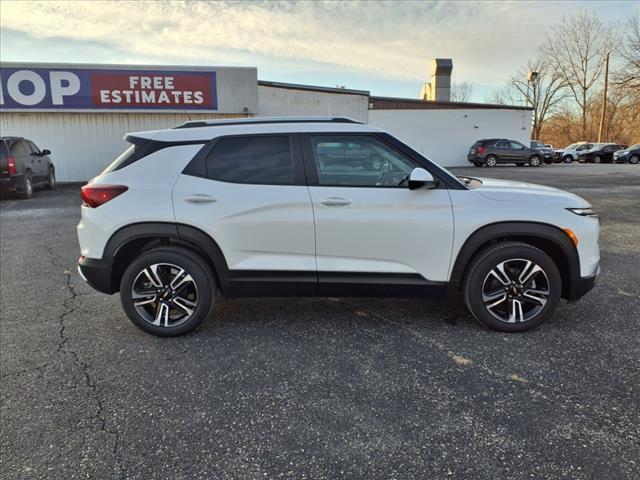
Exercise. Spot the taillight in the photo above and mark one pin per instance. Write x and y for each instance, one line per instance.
(482, 149)
(12, 166)
(95, 195)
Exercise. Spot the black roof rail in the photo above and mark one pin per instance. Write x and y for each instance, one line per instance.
(264, 120)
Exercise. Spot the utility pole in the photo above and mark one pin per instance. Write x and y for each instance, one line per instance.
(604, 99)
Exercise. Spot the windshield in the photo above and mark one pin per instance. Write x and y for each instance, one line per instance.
(633, 147)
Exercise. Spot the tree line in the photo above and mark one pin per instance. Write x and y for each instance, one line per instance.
(567, 95)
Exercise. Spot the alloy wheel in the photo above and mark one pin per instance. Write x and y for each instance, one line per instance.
(164, 295)
(515, 290)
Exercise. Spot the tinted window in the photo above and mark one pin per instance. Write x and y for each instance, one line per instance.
(516, 145)
(4, 152)
(123, 157)
(262, 160)
(502, 145)
(358, 161)
(20, 149)
(537, 145)
(32, 146)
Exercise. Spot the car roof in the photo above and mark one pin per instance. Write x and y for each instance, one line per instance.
(264, 125)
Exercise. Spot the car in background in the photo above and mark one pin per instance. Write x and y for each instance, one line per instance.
(571, 153)
(491, 151)
(600, 153)
(546, 150)
(628, 155)
(23, 166)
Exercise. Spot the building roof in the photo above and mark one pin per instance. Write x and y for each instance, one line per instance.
(312, 88)
(393, 103)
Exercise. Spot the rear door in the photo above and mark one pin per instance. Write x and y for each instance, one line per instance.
(519, 152)
(370, 228)
(250, 196)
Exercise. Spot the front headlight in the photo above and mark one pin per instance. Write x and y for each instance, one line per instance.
(583, 212)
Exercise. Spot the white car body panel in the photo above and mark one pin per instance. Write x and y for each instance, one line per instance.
(257, 227)
(148, 199)
(384, 230)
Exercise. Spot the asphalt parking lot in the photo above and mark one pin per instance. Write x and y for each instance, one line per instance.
(318, 388)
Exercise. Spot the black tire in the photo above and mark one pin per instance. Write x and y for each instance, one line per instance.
(491, 161)
(477, 164)
(596, 159)
(535, 161)
(634, 159)
(202, 278)
(51, 179)
(28, 185)
(567, 159)
(511, 254)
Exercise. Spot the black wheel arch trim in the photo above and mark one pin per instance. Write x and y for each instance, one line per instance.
(532, 231)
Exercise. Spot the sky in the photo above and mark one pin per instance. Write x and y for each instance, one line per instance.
(382, 47)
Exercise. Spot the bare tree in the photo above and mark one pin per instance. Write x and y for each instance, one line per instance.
(577, 48)
(461, 92)
(543, 94)
(628, 76)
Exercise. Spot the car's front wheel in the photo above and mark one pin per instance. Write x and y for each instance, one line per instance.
(597, 159)
(51, 179)
(568, 159)
(634, 159)
(535, 161)
(512, 287)
(167, 291)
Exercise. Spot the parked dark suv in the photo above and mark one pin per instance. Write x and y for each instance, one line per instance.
(492, 151)
(24, 166)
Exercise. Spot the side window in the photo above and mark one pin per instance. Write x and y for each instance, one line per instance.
(502, 145)
(516, 145)
(33, 147)
(20, 149)
(358, 161)
(265, 160)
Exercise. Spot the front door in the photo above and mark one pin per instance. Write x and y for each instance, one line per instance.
(253, 201)
(371, 230)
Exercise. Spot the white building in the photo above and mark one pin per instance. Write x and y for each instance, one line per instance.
(81, 112)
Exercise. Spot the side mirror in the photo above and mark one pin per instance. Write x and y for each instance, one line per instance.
(46, 152)
(419, 177)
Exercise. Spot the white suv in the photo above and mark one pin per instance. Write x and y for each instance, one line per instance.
(322, 207)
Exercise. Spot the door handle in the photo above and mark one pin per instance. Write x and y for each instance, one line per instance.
(336, 202)
(200, 198)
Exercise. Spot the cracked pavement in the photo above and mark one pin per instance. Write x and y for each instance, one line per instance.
(317, 388)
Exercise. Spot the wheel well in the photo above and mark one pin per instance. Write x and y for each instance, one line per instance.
(547, 246)
(129, 251)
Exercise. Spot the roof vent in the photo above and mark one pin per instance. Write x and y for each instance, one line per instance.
(439, 89)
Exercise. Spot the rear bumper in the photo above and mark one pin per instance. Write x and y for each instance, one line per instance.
(97, 273)
(14, 183)
(580, 286)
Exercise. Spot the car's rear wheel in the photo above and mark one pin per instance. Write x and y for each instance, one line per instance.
(535, 161)
(51, 179)
(512, 287)
(167, 291)
(28, 185)
(491, 161)
(634, 159)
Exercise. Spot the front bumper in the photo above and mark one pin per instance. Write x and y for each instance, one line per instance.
(580, 286)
